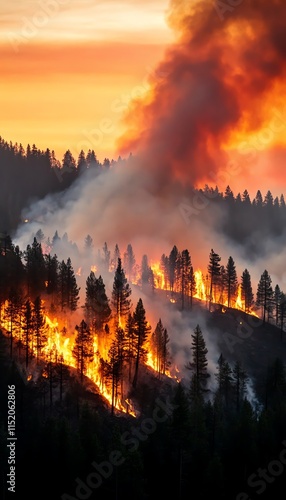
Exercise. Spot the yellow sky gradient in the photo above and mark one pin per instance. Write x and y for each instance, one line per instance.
(69, 69)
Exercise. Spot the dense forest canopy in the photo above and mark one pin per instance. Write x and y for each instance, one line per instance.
(93, 370)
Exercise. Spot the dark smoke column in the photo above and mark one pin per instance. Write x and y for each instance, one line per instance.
(218, 83)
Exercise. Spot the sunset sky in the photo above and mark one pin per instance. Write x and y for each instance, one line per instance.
(69, 69)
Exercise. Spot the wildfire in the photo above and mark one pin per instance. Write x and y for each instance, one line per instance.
(200, 285)
(159, 277)
(60, 342)
(78, 273)
(93, 269)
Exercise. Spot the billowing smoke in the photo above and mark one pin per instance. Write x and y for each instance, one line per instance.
(220, 83)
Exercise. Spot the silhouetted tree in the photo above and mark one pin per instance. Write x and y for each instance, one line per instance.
(198, 365)
(264, 295)
(246, 291)
(231, 280)
(83, 348)
(214, 273)
(121, 292)
(141, 332)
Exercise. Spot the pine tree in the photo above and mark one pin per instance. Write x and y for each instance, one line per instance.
(192, 285)
(159, 347)
(184, 267)
(231, 280)
(282, 312)
(88, 244)
(27, 327)
(116, 256)
(83, 348)
(35, 269)
(116, 356)
(96, 303)
(52, 275)
(198, 365)
(39, 326)
(225, 380)
(68, 289)
(277, 298)
(246, 291)
(147, 276)
(131, 343)
(264, 295)
(214, 274)
(13, 312)
(141, 332)
(129, 263)
(121, 292)
(106, 258)
(173, 267)
(240, 379)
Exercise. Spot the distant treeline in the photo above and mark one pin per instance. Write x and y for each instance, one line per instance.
(245, 221)
(29, 174)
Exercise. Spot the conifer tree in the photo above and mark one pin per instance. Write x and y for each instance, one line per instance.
(246, 291)
(13, 313)
(83, 351)
(198, 365)
(68, 289)
(121, 292)
(159, 347)
(264, 295)
(141, 331)
(39, 326)
(231, 280)
(129, 263)
(214, 274)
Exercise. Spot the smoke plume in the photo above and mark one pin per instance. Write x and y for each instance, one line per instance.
(220, 83)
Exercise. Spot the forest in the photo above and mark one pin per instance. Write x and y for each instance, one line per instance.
(29, 174)
(101, 408)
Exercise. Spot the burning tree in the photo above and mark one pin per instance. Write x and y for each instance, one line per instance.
(159, 349)
(13, 312)
(141, 332)
(147, 275)
(83, 348)
(246, 291)
(96, 302)
(231, 281)
(129, 263)
(184, 267)
(39, 326)
(27, 327)
(120, 294)
(214, 274)
(116, 355)
(52, 275)
(68, 289)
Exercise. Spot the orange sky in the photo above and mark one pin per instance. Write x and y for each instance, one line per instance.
(69, 69)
